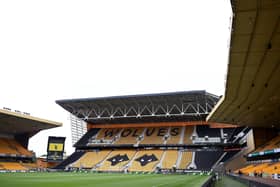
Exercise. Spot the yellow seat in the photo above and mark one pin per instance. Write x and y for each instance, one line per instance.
(139, 164)
(170, 159)
(90, 159)
(186, 159)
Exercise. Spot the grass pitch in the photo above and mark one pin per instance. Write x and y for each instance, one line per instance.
(103, 180)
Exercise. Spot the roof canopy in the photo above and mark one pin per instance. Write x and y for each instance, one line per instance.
(17, 123)
(252, 95)
(191, 105)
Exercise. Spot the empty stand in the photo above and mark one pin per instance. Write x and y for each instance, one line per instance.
(29, 165)
(186, 159)
(170, 159)
(273, 168)
(90, 159)
(5, 148)
(12, 166)
(264, 168)
(174, 135)
(245, 168)
(117, 160)
(146, 160)
(188, 134)
(154, 135)
(254, 168)
(20, 149)
(11, 146)
(130, 136)
(107, 134)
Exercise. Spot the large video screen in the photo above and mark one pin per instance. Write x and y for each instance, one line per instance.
(55, 148)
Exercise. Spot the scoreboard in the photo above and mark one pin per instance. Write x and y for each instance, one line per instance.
(55, 148)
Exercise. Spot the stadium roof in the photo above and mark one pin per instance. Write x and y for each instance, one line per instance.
(252, 95)
(179, 106)
(17, 123)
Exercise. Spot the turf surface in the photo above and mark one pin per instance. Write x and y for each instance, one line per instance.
(228, 182)
(104, 180)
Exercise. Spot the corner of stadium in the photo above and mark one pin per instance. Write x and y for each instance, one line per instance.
(170, 139)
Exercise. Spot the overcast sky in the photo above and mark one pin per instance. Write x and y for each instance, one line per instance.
(55, 49)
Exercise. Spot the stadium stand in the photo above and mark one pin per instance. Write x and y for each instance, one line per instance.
(19, 148)
(5, 148)
(273, 168)
(170, 159)
(30, 166)
(15, 130)
(188, 134)
(12, 166)
(186, 159)
(174, 135)
(154, 135)
(147, 144)
(90, 159)
(146, 160)
(117, 160)
(267, 169)
(108, 134)
(254, 168)
(11, 146)
(130, 136)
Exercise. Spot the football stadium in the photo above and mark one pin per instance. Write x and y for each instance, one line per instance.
(175, 139)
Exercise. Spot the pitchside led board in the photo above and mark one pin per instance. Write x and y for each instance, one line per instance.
(55, 148)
